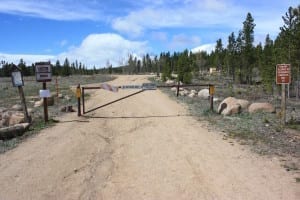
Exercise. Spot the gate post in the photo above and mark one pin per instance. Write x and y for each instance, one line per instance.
(211, 96)
(83, 106)
(178, 88)
(78, 94)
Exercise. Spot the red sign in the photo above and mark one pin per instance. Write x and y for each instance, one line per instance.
(283, 74)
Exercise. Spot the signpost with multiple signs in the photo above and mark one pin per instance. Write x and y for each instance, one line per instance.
(43, 73)
(283, 77)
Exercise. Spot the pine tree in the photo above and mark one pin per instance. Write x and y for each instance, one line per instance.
(66, 71)
(268, 65)
(248, 38)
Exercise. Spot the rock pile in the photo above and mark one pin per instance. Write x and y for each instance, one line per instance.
(231, 105)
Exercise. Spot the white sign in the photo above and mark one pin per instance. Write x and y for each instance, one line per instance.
(45, 93)
(144, 86)
(149, 86)
(131, 87)
(43, 72)
(17, 79)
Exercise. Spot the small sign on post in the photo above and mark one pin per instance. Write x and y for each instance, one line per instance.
(283, 77)
(283, 74)
(17, 81)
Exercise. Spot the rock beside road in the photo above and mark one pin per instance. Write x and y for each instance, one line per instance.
(204, 94)
(229, 106)
(261, 107)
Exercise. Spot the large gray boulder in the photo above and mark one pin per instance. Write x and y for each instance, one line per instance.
(203, 94)
(229, 106)
(261, 107)
(17, 107)
(244, 104)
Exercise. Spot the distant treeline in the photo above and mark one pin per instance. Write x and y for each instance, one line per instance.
(57, 70)
(240, 60)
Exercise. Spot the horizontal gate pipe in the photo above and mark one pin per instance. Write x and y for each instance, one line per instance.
(115, 101)
(191, 85)
(90, 88)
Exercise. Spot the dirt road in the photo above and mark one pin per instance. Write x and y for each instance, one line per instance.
(145, 147)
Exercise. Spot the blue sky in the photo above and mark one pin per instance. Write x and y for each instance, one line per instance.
(96, 32)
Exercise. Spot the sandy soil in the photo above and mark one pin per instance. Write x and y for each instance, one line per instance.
(144, 147)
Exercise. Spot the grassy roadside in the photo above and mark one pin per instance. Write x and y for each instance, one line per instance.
(262, 132)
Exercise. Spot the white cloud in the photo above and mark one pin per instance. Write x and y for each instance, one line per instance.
(222, 15)
(28, 58)
(206, 47)
(193, 14)
(95, 49)
(54, 9)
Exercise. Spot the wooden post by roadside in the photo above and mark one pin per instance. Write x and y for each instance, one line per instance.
(211, 96)
(17, 81)
(178, 88)
(83, 105)
(22, 96)
(283, 104)
(283, 77)
(78, 95)
(43, 73)
(45, 102)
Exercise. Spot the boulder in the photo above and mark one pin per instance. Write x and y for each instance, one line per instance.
(17, 107)
(194, 91)
(170, 82)
(16, 118)
(67, 98)
(38, 103)
(229, 106)
(13, 131)
(261, 107)
(203, 94)
(174, 89)
(192, 95)
(60, 96)
(2, 110)
(244, 104)
(5, 118)
(67, 109)
(183, 93)
(216, 99)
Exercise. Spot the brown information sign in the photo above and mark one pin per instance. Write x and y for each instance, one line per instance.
(283, 74)
(43, 71)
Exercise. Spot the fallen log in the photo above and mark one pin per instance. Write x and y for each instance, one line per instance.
(13, 131)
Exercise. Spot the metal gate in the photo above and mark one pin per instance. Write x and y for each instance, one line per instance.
(141, 88)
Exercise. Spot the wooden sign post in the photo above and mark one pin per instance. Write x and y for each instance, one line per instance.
(17, 81)
(43, 73)
(283, 77)
(78, 95)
